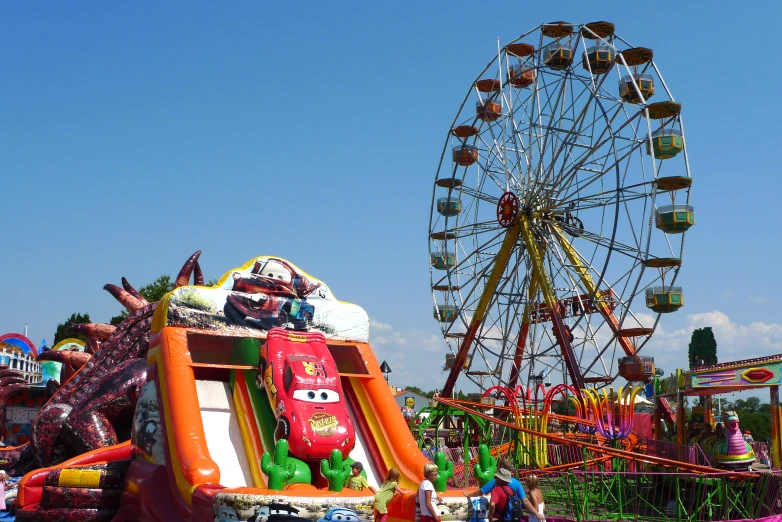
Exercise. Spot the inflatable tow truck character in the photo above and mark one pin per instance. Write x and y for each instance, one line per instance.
(273, 294)
(301, 380)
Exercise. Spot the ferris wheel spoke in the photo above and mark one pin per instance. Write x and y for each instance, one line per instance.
(565, 150)
(469, 229)
(597, 174)
(472, 300)
(573, 113)
(567, 176)
(588, 282)
(605, 197)
(633, 252)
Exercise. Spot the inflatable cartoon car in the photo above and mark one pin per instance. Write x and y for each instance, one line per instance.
(301, 380)
(269, 310)
(479, 510)
(276, 512)
(273, 293)
(340, 515)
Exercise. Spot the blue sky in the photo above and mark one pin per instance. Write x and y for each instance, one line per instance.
(135, 134)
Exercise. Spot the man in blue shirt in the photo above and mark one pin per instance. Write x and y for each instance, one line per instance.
(514, 484)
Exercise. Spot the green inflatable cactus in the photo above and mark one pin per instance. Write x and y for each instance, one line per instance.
(282, 469)
(444, 471)
(486, 467)
(335, 470)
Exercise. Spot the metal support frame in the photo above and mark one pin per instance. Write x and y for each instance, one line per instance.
(563, 338)
(776, 429)
(501, 262)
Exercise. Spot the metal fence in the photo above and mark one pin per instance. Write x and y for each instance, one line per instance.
(590, 496)
(618, 490)
(670, 450)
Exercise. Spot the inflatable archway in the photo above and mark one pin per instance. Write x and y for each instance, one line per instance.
(20, 341)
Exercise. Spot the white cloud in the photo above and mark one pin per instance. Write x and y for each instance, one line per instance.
(416, 356)
(377, 326)
(734, 341)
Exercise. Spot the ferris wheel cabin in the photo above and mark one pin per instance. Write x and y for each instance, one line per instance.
(674, 219)
(666, 143)
(445, 313)
(488, 110)
(450, 361)
(465, 155)
(443, 260)
(631, 89)
(637, 367)
(664, 299)
(557, 55)
(598, 59)
(521, 75)
(449, 206)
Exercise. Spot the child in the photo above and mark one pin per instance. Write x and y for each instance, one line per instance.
(386, 492)
(535, 497)
(356, 481)
(427, 498)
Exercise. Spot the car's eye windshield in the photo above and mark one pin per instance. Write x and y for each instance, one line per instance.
(322, 395)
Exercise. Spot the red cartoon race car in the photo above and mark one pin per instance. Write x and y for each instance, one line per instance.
(301, 380)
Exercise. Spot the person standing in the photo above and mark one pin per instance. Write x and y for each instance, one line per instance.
(535, 497)
(427, 498)
(512, 483)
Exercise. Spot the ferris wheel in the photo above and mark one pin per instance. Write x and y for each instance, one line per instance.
(559, 212)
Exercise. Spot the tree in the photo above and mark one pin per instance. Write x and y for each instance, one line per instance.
(419, 391)
(62, 328)
(751, 404)
(703, 347)
(152, 292)
(755, 419)
(460, 395)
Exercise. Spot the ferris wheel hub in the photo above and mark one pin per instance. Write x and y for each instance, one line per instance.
(507, 209)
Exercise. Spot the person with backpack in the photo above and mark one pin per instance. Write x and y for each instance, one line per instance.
(512, 483)
(508, 500)
(505, 504)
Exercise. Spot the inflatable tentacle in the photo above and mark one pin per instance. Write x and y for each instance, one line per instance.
(99, 331)
(198, 276)
(187, 269)
(92, 344)
(132, 291)
(74, 359)
(124, 297)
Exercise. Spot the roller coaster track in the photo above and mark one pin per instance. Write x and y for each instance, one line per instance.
(605, 451)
